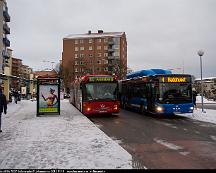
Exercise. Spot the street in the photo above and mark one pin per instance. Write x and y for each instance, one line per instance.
(162, 142)
(207, 106)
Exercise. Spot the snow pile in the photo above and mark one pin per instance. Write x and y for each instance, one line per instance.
(198, 100)
(208, 115)
(68, 141)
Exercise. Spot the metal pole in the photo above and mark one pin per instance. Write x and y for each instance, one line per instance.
(201, 82)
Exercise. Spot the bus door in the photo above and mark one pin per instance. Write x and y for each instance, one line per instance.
(151, 96)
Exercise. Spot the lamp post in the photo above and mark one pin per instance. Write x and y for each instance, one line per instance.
(201, 53)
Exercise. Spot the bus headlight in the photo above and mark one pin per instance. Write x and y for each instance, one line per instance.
(115, 107)
(88, 109)
(191, 108)
(159, 109)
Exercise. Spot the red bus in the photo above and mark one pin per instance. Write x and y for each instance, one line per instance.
(95, 94)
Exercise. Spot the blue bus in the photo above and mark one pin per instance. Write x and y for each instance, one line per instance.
(157, 91)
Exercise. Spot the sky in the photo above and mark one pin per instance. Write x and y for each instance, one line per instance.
(160, 33)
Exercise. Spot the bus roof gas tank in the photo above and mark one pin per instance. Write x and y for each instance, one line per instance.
(150, 72)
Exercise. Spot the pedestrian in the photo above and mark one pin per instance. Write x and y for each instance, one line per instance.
(3, 106)
(15, 94)
(194, 97)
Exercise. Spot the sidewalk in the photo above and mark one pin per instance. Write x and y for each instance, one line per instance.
(68, 141)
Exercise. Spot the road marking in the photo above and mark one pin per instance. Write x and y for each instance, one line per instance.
(185, 129)
(197, 132)
(184, 153)
(207, 125)
(170, 125)
(167, 144)
(213, 137)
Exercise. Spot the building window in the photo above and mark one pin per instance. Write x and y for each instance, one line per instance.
(76, 70)
(106, 69)
(105, 61)
(98, 47)
(99, 61)
(76, 63)
(105, 47)
(82, 48)
(99, 54)
(81, 55)
(98, 69)
(90, 55)
(116, 53)
(76, 55)
(81, 62)
(76, 41)
(116, 46)
(76, 48)
(90, 40)
(105, 54)
(81, 41)
(105, 40)
(99, 40)
(90, 48)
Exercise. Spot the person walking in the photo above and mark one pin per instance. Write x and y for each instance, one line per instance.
(3, 106)
(16, 94)
(194, 96)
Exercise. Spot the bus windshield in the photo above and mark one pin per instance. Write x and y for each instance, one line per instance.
(100, 91)
(175, 93)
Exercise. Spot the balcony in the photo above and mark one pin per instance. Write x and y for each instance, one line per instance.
(5, 54)
(6, 16)
(111, 50)
(111, 42)
(6, 42)
(6, 29)
(114, 57)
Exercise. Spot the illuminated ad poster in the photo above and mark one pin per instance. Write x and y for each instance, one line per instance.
(48, 99)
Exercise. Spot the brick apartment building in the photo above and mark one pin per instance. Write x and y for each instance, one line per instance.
(21, 73)
(94, 53)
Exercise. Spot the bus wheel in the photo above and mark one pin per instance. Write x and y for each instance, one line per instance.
(142, 109)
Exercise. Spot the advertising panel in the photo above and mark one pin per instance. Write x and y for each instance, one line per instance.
(48, 98)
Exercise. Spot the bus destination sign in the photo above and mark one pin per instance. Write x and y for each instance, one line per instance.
(101, 79)
(175, 79)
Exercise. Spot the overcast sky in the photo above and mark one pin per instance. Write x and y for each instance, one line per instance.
(160, 33)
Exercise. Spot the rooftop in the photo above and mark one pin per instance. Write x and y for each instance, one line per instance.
(95, 35)
(207, 78)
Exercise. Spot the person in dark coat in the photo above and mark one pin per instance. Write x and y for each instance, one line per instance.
(16, 95)
(3, 106)
(194, 97)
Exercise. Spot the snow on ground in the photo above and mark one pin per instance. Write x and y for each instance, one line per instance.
(198, 100)
(68, 141)
(209, 115)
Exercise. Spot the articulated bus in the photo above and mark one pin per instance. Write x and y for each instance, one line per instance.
(95, 94)
(157, 91)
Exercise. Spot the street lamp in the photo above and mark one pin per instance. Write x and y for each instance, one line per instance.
(201, 53)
